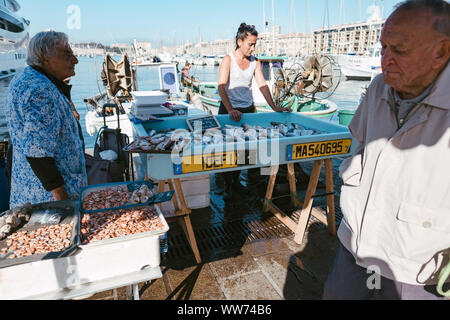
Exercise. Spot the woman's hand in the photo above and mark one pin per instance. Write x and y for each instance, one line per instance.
(235, 115)
(281, 109)
(76, 114)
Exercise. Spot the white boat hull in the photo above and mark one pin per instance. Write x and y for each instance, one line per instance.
(359, 67)
(13, 44)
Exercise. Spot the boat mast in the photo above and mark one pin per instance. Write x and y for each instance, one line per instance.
(264, 14)
(359, 8)
(273, 29)
(308, 27)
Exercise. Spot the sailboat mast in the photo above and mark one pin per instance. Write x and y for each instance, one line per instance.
(264, 14)
(273, 29)
(359, 8)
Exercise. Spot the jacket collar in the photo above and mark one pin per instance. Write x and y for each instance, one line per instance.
(439, 95)
(61, 85)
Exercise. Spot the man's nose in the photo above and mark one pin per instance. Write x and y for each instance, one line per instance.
(386, 57)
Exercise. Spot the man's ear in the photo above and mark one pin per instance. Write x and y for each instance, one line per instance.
(440, 54)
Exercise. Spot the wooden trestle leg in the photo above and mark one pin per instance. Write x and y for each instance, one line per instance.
(299, 228)
(292, 186)
(182, 215)
(307, 203)
(331, 218)
(270, 186)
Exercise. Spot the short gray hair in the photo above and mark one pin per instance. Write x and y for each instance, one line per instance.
(43, 46)
(439, 8)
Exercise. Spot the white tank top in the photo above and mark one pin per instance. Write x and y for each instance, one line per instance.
(239, 86)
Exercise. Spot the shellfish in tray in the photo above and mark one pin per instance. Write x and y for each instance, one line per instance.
(120, 223)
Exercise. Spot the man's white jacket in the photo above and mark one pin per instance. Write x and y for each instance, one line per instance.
(396, 193)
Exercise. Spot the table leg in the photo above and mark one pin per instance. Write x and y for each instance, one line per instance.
(307, 204)
(330, 196)
(174, 198)
(292, 186)
(270, 186)
(132, 292)
(186, 224)
(161, 186)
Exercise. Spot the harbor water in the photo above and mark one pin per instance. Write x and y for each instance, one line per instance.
(87, 82)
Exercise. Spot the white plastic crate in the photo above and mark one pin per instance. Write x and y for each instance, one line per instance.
(149, 97)
(197, 201)
(94, 262)
(196, 194)
(194, 185)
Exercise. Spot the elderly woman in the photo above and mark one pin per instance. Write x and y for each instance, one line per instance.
(48, 159)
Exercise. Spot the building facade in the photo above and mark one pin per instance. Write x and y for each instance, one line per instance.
(353, 38)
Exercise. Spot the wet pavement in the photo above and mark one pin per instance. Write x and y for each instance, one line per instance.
(246, 254)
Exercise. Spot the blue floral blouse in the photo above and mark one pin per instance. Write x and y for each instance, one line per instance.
(41, 124)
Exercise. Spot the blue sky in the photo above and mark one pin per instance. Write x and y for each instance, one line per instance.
(175, 21)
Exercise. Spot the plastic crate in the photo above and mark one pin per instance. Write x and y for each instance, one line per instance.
(131, 186)
(65, 212)
(107, 258)
(149, 97)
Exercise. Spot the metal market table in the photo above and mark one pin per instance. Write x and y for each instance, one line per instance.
(334, 141)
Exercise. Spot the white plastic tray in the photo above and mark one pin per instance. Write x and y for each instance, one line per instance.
(149, 97)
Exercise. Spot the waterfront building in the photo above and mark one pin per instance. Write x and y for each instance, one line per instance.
(273, 42)
(352, 38)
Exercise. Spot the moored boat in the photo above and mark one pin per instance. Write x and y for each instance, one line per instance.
(14, 36)
(207, 93)
(361, 67)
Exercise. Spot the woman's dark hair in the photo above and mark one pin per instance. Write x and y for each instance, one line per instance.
(243, 30)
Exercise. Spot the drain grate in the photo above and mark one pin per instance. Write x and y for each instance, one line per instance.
(224, 238)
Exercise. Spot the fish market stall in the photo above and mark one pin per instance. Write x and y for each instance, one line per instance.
(66, 249)
(180, 147)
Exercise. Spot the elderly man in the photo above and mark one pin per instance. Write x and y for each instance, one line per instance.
(395, 235)
(48, 158)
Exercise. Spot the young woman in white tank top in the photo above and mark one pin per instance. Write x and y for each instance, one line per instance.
(235, 89)
(236, 73)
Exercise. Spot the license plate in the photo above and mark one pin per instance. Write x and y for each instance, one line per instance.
(318, 149)
(206, 162)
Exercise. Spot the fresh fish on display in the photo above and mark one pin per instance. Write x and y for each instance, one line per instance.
(163, 144)
(167, 130)
(157, 140)
(307, 132)
(297, 126)
(178, 140)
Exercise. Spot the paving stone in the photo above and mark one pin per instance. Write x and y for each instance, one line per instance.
(194, 283)
(234, 266)
(266, 246)
(318, 256)
(275, 267)
(156, 290)
(251, 286)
